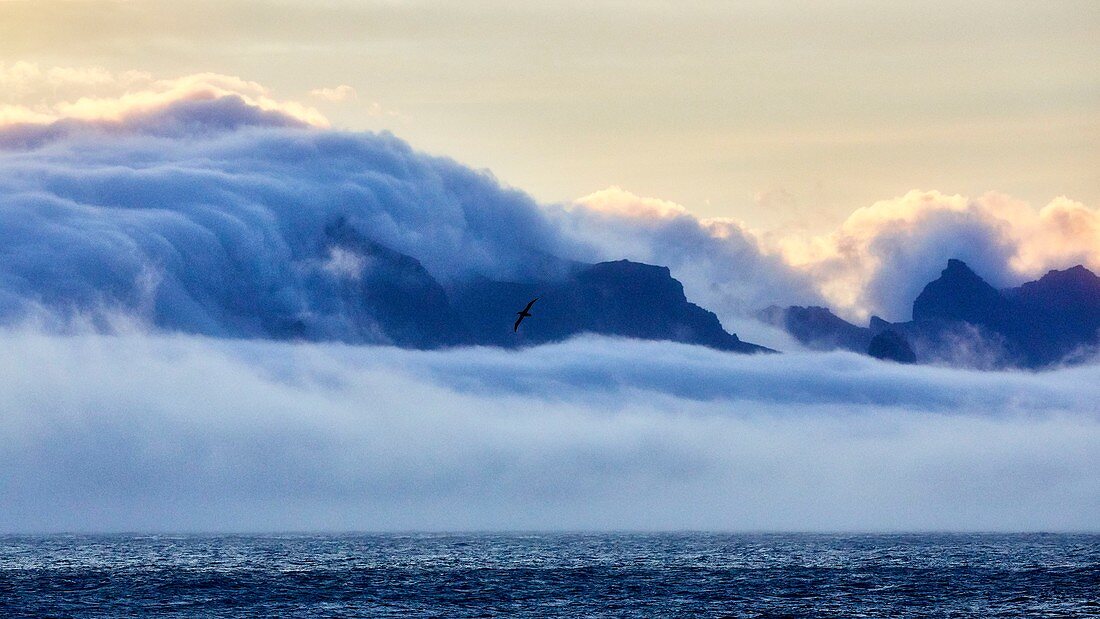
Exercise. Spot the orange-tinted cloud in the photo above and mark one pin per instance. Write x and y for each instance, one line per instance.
(615, 200)
(879, 258)
(882, 254)
(44, 95)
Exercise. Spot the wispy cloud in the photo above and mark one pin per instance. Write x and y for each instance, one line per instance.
(343, 92)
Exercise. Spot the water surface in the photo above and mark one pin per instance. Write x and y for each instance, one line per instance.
(551, 575)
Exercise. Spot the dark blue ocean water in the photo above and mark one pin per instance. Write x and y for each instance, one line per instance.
(551, 575)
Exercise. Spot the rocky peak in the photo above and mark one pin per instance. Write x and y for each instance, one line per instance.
(959, 294)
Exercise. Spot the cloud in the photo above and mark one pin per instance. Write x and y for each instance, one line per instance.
(177, 177)
(37, 95)
(343, 92)
(22, 78)
(181, 433)
(1064, 232)
(617, 202)
(880, 258)
(214, 215)
(720, 262)
(875, 262)
(228, 210)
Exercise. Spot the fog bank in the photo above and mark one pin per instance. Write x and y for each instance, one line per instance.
(157, 433)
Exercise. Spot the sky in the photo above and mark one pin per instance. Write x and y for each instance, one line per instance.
(780, 114)
(170, 175)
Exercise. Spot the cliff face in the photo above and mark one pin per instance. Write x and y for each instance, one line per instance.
(1058, 315)
(620, 298)
(1039, 323)
(387, 296)
(960, 318)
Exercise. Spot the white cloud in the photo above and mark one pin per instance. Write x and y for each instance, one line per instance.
(234, 207)
(216, 230)
(721, 263)
(176, 433)
(617, 201)
(875, 262)
(345, 263)
(881, 256)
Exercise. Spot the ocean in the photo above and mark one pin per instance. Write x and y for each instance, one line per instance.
(551, 575)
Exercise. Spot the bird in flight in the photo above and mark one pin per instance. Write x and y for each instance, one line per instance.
(523, 314)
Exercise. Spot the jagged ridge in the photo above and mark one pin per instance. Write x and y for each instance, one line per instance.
(959, 317)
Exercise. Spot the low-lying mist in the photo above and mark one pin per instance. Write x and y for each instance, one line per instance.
(140, 432)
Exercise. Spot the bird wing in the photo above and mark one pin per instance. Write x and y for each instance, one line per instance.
(515, 327)
(530, 304)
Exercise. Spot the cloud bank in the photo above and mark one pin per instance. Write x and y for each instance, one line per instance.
(876, 262)
(721, 263)
(215, 216)
(212, 214)
(181, 433)
(202, 203)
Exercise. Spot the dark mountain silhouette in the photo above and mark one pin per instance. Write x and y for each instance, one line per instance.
(390, 296)
(818, 328)
(620, 298)
(891, 346)
(1057, 315)
(959, 294)
(960, 318)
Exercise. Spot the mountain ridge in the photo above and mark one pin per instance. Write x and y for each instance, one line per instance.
(388, 295)
(960, 318)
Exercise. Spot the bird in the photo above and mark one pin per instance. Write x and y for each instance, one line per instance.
(523, 314)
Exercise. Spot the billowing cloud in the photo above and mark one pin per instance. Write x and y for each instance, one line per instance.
(875, 262)
(880, 258)
(143, 203)
(217, 216)
(37, 95)
(179, 433)
(721, 263)
(214, 216)
(1064, 232)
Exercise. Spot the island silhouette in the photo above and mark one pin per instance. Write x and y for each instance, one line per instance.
(961, 319)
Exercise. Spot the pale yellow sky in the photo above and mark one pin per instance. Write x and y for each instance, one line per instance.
(780, 114)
